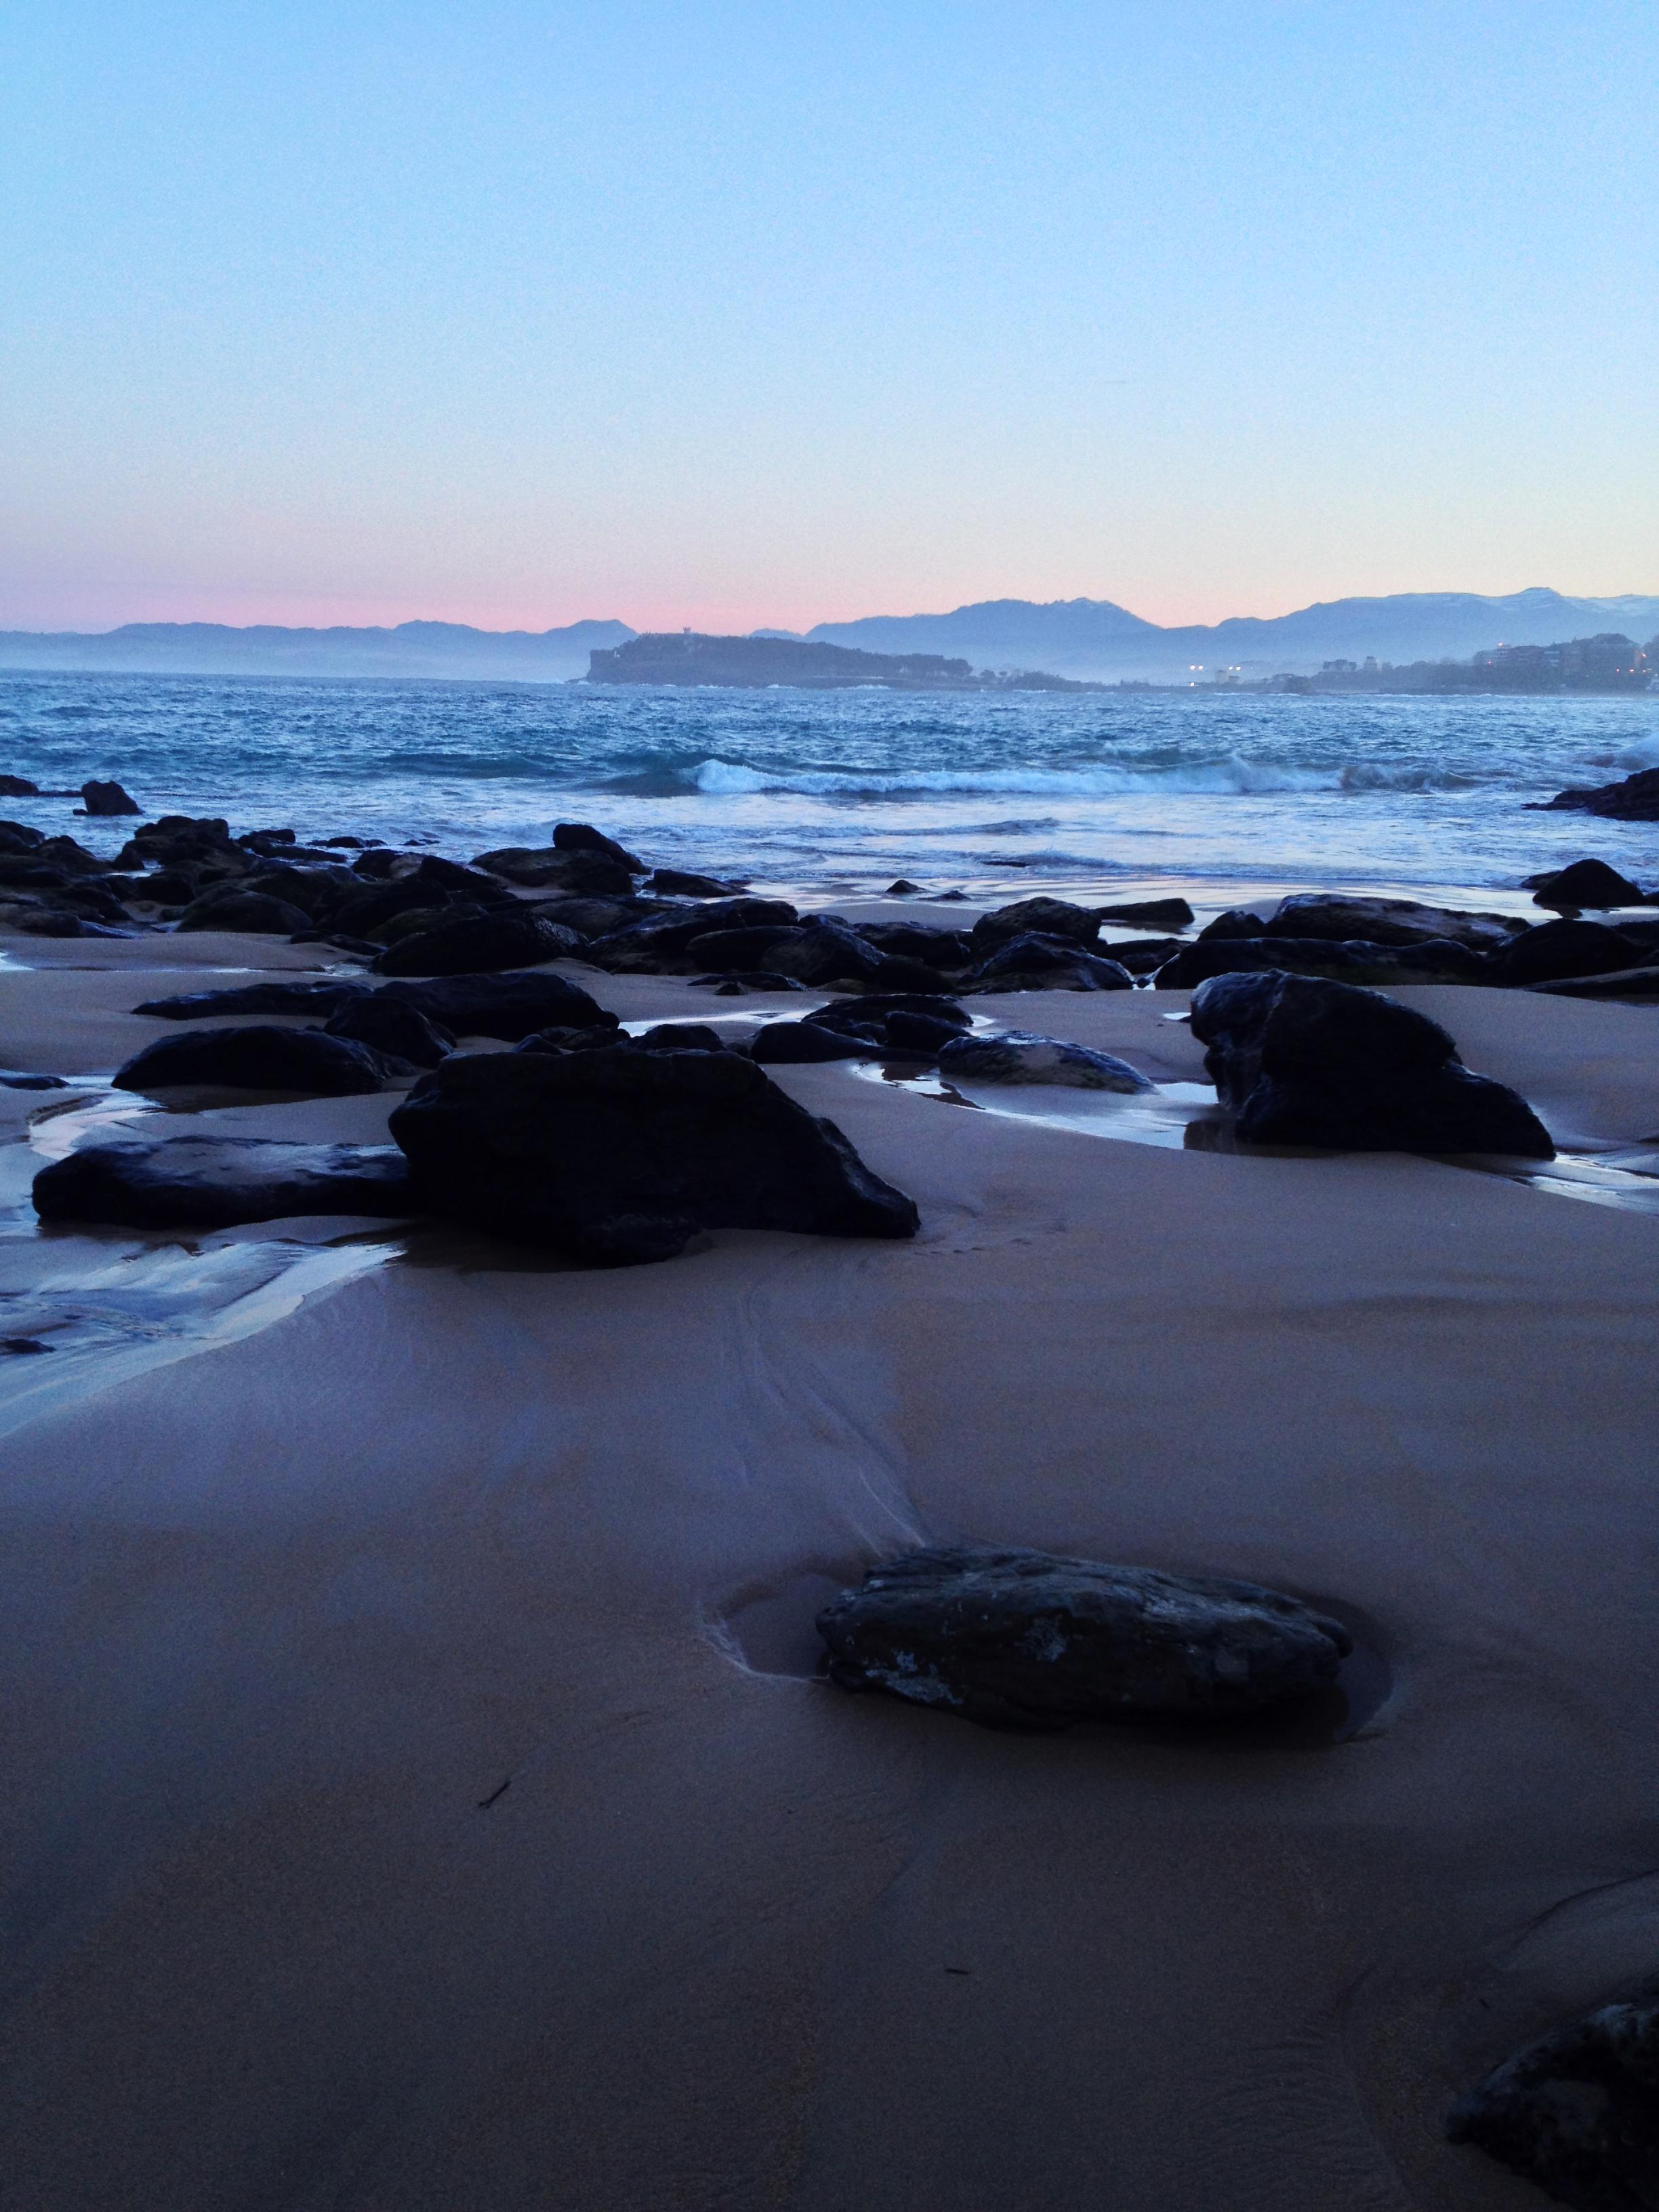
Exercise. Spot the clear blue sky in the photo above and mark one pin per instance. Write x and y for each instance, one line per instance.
(734, 313)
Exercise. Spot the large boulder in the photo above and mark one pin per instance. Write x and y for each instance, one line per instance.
(685, 883)
(656, 944)
(215, 1182)
(1635, 799)
(1025, 1640)
(621, 1154)
(508, 1008)
(1035, 917)
(1550, 950)
(584, 873)
(176, 837)
(258, 1058)
(107, 798)
(1307, 1062)
(273, 996)
(1047, 964)
(389, 1026)
(1578, 2112)
(1432, 960)
(1585, 884)
(480, 944)
(818, 952)
(1018, 1056)
(792, 1044)
(1385, 921)
(1622, 983)
(1150, 913)
(583, 837)
(244, 913)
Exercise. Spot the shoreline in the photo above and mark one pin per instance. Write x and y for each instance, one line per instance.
(407, 1804)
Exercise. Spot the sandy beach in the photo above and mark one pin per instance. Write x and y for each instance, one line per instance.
(416, 1792)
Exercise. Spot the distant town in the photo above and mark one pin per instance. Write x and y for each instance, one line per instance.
(1607, 662)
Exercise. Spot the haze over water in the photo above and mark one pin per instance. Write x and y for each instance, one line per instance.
(846, 790)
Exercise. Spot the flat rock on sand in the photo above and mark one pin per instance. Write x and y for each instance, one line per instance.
(213, 1182)
(391, 1821)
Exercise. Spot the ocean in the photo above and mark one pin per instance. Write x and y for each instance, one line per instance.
(841, 792)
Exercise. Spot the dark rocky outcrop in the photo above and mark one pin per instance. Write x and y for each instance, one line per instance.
(176, 837)
(1307, 1062)
(1636, 798)
(258, 1058)
(1578, 2112)
(583, 837)
(583, 872)
(1554, 948)
(243, 914)
(107, 798)
(389, 1026)
(1149, 914)
(1385, 921)
(480, 944)
(800, 1043)
(1622, 983)
(215, 1182)
(1047, 963)
(682, 883)
(621, 1155)
(1235, 921)
(18, 786)
(1020, 1639)
(508, 1008)
(1035, 917)
(1429, 961)
(656, 945)
(1584, 884)
(944, 950)
(273, 996)
(1018, 1056)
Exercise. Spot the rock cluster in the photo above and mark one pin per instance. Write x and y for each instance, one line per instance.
(1633, 798)
(614, 1153)
(1021, 1639)
(1306, 1062)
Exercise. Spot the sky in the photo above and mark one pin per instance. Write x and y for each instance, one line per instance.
(728, 314)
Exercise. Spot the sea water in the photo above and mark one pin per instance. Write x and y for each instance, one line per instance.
(846, 790)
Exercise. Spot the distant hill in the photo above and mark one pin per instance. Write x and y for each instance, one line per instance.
(767, 657)
(412, 649)
(1094, 638)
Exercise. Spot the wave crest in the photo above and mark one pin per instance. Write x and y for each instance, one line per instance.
(1234, 774)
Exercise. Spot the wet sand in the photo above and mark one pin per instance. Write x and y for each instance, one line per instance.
(413, 1795)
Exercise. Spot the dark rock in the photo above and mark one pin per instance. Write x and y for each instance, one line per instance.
(1431, 962)
(505, 1006)
(1584, 884)
(273, 996)
(73, 858)
(316, 890)
(1026, 1640)
(600, 917)
(923, 1034)
(1578, 2112)
(179, 838)
(378, 864)
(583, 837)
(267, 840)
(682, 882)
(940, 949)
(389, 1026)
(437, 874)
(482, 944)
(1308, 1062)
(582, 872)
(244, 913)
(107, 798)
(17, 837)
(1621, 983)
(256, 1058)
(370, 907)
(816, 953)
(33, 1083)
(899, 973)
(655, 945)
(877, 1005)
(621, 1155)
(213, 1182)
(22, 1344)
(1141, 956)
(1550, 950)
(1035, 917)
(1150, 913)
(1238, 922)
(747, 979)
(18, 786)
(61, 923)
(349, 844)
(1385, 921)
(567, 1040)
(797, 1043)
(682, 1036)
(1049, 963)
(902, 888)
(1018, 1056)
(1636, 798)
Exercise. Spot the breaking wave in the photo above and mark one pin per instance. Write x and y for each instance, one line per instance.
(1232, 775)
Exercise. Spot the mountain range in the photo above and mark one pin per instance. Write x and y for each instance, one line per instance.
(1090, 638)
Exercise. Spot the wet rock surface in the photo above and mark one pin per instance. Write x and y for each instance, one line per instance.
(257, 1058)
(391, 1026)
(1578, 2112)
(1024, 1639)
(1018, 1056)
(479, 944)
(1633, 798)
(217, 1183)
(1428, 960)
(507, 1006)
(1585, 884)
(1306, 1062)
(1385, 921)
(1551, 949)
(275, 996)
(620, 1154)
